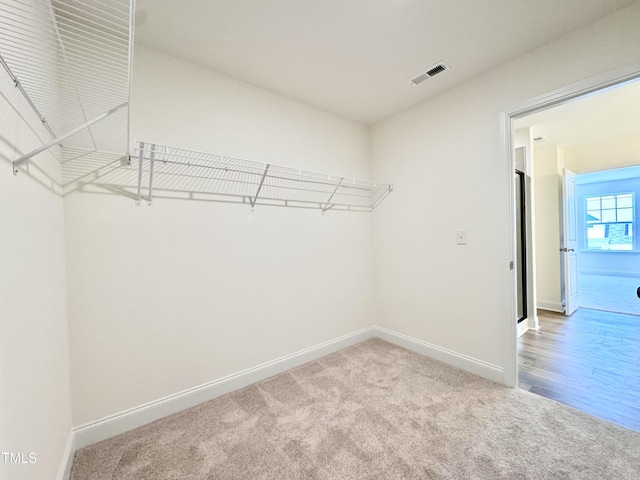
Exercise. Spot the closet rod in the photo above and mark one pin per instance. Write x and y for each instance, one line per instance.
(62, 138)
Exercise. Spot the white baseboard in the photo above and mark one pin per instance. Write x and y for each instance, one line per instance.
(472, 365)
(121, 422)
(608, 273)
(524, 326)
(124, 421)
(550, 305)
(67, 458)
(534, 322)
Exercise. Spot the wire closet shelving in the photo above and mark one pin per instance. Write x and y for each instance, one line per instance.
(166, 168)
(71, 61)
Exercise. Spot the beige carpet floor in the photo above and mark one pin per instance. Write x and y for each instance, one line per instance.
(371, 411)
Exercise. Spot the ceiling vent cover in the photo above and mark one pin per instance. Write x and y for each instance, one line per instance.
(432, 71)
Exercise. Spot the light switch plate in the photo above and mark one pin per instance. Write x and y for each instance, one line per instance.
(461, 237)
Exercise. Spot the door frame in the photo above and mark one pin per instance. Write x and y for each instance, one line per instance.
(506, 117)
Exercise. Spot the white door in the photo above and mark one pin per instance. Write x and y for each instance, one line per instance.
(569, 246)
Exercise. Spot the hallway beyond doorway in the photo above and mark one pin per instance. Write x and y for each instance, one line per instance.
(589, 361)
(610, 293)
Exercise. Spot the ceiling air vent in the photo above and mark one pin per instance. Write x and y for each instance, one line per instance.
(430, 72)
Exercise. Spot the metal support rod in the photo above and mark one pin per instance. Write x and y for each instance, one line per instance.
(62, 138)
(382, 197)
(132, 23)
(140, 158)
(253, 202)
(151, 161)
(327, 208)
(19, 86)
(326, 205)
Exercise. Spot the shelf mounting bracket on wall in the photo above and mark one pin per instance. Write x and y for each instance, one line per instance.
(140, 158)
(152, 159)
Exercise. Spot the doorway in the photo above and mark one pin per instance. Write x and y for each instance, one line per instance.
(604, 84)
(610, 251)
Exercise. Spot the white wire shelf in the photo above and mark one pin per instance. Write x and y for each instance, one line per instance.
(163, 168)
(71, 60)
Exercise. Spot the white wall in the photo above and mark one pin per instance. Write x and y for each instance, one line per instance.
(616, 153)
(35, 402)
(524, 138)
(548, 178)
(606, 263)
(165, 298)
(621, 152)
(444, 157)
(169, 297)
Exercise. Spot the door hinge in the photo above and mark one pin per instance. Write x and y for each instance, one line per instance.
(511, 265)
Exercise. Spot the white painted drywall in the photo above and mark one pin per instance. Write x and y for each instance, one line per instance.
(596, 157)
(548, 178)
(622, 152)
(35, 400)
(445, 159)
(185, 292)
(523, 137)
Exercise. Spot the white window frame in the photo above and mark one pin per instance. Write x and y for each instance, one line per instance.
(588, 223)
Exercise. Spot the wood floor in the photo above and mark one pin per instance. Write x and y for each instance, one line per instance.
(590, 361)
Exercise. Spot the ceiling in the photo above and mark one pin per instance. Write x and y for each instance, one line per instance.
(354, 57)
(607, 115)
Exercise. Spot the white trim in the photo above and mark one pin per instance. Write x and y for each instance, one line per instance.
(523, 327)
(570, 92)
(510, 335)
(608, 273)
(126, 420)
(587, 86)
(464, 362)
(64, 472)
(550, 305)
(534, 319)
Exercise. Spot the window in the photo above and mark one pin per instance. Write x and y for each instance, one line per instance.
(609, 220)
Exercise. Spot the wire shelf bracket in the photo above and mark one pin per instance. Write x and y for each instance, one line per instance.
(327, 206)
(264, 175)
(62, 138)
(207, 176)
